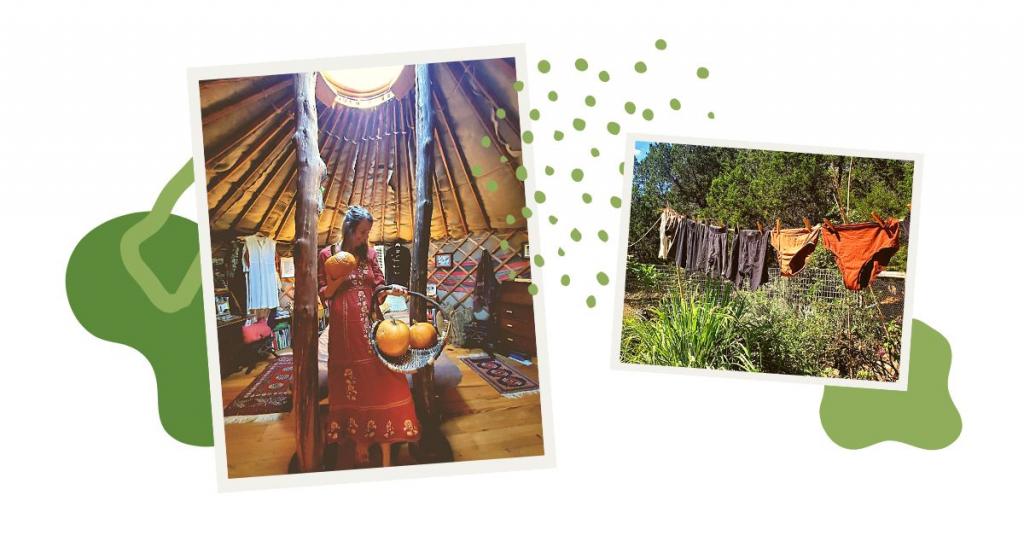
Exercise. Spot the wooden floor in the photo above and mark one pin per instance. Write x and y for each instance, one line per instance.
(478, 422)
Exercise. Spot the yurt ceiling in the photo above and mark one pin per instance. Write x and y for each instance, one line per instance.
(367, 140)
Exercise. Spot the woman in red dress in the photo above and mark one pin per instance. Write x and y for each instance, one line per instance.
(369, 403)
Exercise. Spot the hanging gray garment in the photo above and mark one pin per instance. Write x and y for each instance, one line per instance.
(750, 253)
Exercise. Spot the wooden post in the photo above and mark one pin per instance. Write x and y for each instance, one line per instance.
(308, 434)
(433, 446)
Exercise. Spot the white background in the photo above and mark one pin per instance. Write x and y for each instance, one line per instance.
(95, 120)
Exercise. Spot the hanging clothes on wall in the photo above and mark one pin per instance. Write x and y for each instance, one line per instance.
(862, 249)
(263, 285)
(793, 246)
(749, 256)
(397, 262)
(485, 287)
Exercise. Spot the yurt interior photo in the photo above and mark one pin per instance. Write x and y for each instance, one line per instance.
(433, 153)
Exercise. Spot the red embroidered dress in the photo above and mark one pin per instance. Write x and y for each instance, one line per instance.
(369, 402)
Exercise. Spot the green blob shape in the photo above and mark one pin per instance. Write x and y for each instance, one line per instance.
(552, 95)
(500, 112)
(504, 245)
(539, 196)
(594, 152)
(602, 235)
(491, 186)
(702, 72)
(535, 114)
(579, 124)
(533, 289)
(538, 260)
(527, 212)
(674, 104)
(648, 114)
(616, 201)
(660, 44)
(711, 115)
(485, 141)
(503, 159)
(587, 198)
(518, 85)
(613, 127)
(558, 135)
(630, 107)
(527, 136)
(622, 168)
(544, 66)
(602, 278)
(581, 64)
(591, 301)
(549, 171)
(552, 219)
(640, 67)
(476, 170)
(604, 76)
(561, 252)
(565, 280)
(923, 416)
(521, 173)
(590, 101)
(510, 219)
(575, 235)
(167, 328)
(577, 174)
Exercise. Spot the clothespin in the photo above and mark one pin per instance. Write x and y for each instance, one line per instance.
(908, 207)
(760, 228)
(807, 224)
(874, 216)
(778, 225)
(828, 225)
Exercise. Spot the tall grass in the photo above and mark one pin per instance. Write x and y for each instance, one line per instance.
(688, 332)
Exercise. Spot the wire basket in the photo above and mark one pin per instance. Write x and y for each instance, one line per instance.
(414, 359)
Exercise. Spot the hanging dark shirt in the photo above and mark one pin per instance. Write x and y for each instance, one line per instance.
(397, 262)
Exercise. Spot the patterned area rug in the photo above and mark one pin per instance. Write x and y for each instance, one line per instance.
(267, 398)
(508, 382)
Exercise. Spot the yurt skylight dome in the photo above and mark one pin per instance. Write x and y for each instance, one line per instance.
(363, 88)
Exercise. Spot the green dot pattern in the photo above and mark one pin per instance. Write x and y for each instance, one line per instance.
(616, 201)
(576, 235)
(587, 198)
(485, 141)
(579, 124)
(594, 152)
(590, 101)
(561, 252)
(622, 168)
(577, 174)
(648, 114)
(602, 235)
(491, 186)
(711, 115)
(549, 171)
(535, 114)
(640, 67)
(504, 245)
(660, 44)
(552, 219)
(538, 260)
(539, 196)
(533, 289)
(602, 278)
(630, 107)
(591, 301)
(552, 95)
(510, 219)
(527, 136)
(565, 280)
(702, 72)
(674, 104)
(518, 85)
(527, 212)
(521, 173)
(544, 66)
(604, 76)
(613, 128)
(476, 170)
(581, 64)
(503, 159)
(558, 135)
(500, 112)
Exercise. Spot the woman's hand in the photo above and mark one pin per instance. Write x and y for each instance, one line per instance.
(398, 290)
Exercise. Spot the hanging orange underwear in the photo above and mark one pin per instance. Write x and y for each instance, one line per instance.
(793, 246)
(862, 249)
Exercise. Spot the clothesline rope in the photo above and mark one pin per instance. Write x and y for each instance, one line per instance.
(656, 222)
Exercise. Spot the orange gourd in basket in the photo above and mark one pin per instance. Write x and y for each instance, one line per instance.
(340, 264)
(422, 335)
(393, 338)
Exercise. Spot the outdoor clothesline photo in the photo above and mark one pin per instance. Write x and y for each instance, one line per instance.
(767, 261)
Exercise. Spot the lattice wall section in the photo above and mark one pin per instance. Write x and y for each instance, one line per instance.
(455, 285)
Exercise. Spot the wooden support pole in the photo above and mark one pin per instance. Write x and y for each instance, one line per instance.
(308, 434)
(433, 447)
